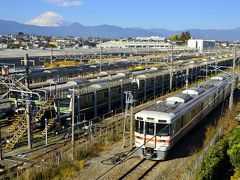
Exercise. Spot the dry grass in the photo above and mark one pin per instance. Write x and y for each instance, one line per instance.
(227, 120)
(210, 131)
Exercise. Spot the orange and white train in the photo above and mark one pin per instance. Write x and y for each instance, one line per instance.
(159, 127)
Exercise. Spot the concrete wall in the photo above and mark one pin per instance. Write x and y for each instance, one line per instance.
(201, 44)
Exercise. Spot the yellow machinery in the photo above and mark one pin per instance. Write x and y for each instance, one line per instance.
(158, 64)
(106, 59)
(18, 118)
(20, 124)
(42, 110)
(66, 63)
(49, 125)
(138, 67)
(21, 128)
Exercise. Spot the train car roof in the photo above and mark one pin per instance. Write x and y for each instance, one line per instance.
(58, 87)
(194, 91)
(174, 105)
(179, 98)
(56, 71)
(79, 82)
(155, 116)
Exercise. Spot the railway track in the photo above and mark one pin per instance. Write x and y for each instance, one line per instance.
(140, 170)
(45, 154)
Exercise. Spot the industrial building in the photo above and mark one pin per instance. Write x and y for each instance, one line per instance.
(151, 38)
(201, 45)
(134, 44)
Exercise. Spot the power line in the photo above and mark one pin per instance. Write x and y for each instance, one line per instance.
(128, 155)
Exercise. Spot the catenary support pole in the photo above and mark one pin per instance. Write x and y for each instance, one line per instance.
(73, 123)
(187, 75)
(233, 80)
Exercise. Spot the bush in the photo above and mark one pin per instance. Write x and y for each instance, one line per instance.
(89, 152)
(214, 161)
(234, 149)
(235, 137)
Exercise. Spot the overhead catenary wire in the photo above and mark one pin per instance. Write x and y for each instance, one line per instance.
(132, 152)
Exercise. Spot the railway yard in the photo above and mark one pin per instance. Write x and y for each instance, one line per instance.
(53, 112)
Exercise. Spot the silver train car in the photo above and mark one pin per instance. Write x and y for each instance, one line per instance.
(62, 90)
(159, 127)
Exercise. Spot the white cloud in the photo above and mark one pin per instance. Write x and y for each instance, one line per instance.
(47, 19)
(66, 3)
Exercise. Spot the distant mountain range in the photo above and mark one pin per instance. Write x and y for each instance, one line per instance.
(109, 31)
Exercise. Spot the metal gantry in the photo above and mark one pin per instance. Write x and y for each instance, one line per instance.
(128, 119)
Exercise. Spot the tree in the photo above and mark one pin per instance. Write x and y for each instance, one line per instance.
(234, 150)
(175, 37)
(181, 38)
(185, 36)
(20, 34)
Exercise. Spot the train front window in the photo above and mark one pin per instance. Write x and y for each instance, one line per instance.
(149, 128)
(139, 126)
(64, 102)
(163, 129)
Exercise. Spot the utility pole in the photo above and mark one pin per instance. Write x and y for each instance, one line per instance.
(101, 48)
(215, 60)
(171, 69)
(128, 116)
(187, 75)
(73, 123)
(29, 122)
(26, 60)
(1, 156)
(233, 80)
(172, 56)
(56, 100)
(28, 104)
(46, 137)
(51, 56)
(206, 70)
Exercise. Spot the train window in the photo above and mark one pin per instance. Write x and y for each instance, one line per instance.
(139, 118)
(194, 113)
(119, 90)
(188, 117)
(149, 128)
(65, 103)
(136, 125)
(148, 118)
(139, 126)
(179, 123)
(162, 121)
(163, 129)
(105, 94)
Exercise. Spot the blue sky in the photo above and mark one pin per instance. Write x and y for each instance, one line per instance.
(170, 14)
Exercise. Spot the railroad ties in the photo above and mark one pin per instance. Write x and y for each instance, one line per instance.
(140, 170)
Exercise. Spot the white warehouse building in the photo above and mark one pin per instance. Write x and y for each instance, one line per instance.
(201, 45)
(134, 44)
